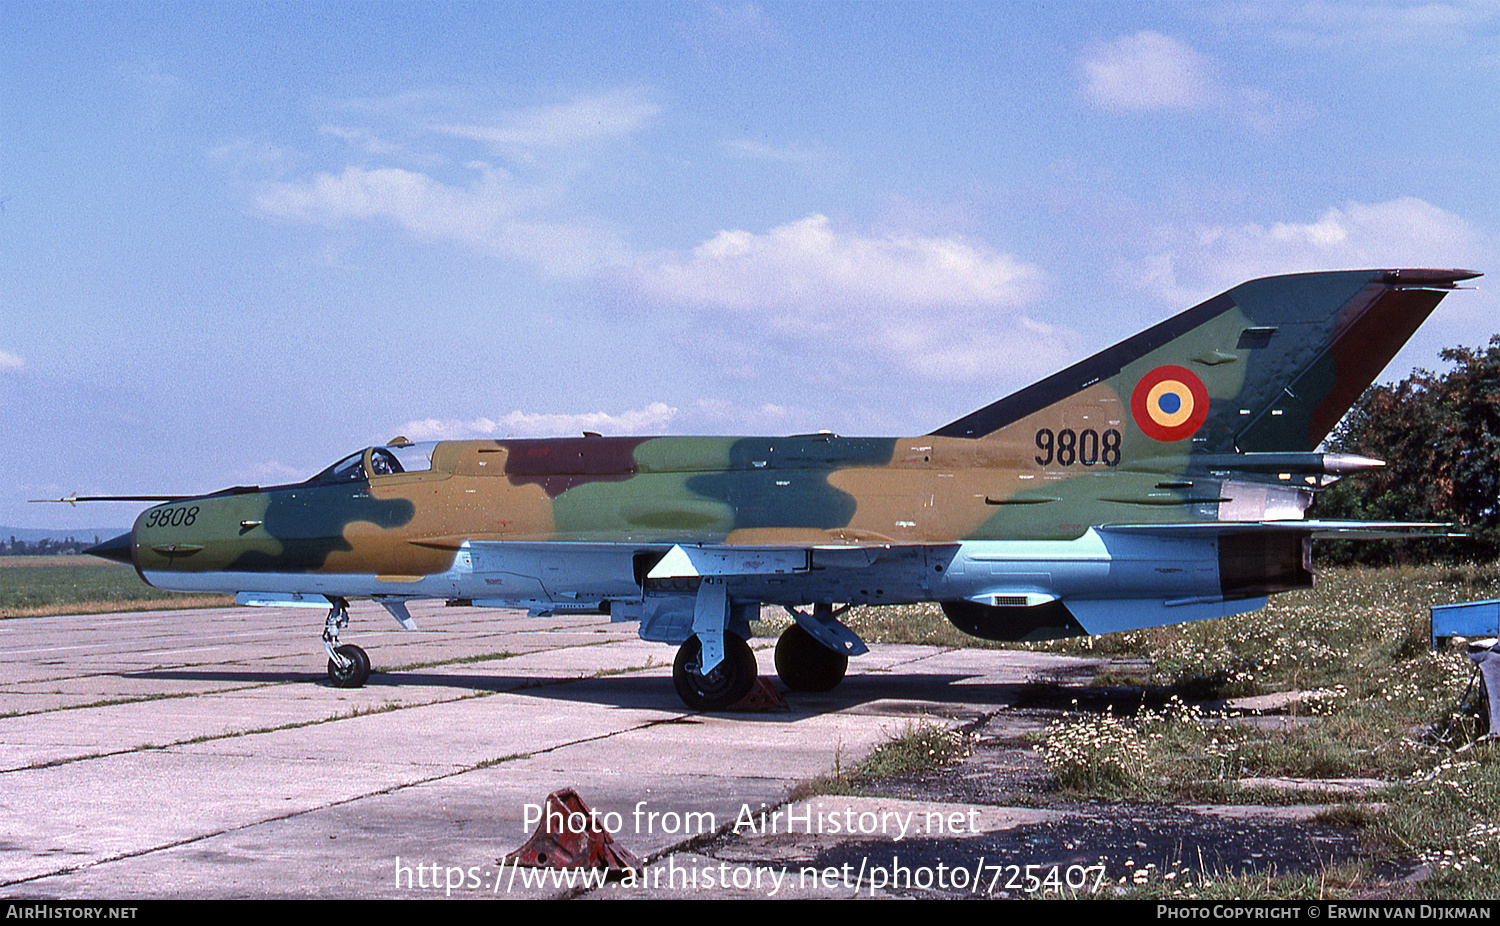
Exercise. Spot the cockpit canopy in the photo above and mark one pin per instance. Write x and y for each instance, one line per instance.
(387, 460)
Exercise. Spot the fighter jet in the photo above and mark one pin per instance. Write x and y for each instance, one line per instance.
(1163, 480)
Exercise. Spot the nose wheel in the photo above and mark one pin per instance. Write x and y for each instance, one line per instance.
(348, 665)
(354, 671)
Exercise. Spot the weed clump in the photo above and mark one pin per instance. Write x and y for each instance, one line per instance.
(1105, 755)
(918, 748)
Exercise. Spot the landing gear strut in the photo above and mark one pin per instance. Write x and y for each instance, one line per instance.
(348, 666)
(723, 685)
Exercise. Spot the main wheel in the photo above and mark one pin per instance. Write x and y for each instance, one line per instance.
(353, 675)
(804, 664)
(729, 681)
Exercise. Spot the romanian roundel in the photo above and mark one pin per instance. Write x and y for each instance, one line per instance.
(1169, 404)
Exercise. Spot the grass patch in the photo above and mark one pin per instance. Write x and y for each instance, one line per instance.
(1187, 881)
(921, 746)
(1356, 649)
(43, 586)
(1449, 818)
(922, 624)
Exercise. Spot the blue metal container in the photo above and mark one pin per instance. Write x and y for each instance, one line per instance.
(1469, 619)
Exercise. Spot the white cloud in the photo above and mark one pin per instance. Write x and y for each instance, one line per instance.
(364, 140)
(419, 182)
(809, 270)
(493, 214)
(1018, 351)
(652, 419)
(828, 305)
(254, 156)
(578, 121)
(1148, 71)
(11, 363)
(791, 153)
(1197, 262)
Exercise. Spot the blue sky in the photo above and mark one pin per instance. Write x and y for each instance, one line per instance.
(239, 241)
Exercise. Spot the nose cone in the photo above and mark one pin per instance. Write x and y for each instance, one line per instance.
(120, 549)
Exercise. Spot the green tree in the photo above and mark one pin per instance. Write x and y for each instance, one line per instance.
(1439, 435)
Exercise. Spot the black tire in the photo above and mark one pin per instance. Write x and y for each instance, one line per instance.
(804, 664)
(729, 682)
(355, 674)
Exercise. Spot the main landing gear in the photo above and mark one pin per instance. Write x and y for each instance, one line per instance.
(805, 664)
(806, 660)
(813, 654)
(722, 685)
(348, 665)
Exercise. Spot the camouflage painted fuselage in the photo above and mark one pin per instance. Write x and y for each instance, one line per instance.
(1161, 480)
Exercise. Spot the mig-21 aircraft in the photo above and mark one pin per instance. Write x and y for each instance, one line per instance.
(1163, 480)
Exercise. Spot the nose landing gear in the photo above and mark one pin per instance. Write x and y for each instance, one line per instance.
(348, 665)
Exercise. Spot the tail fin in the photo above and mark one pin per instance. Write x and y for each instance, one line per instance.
(1269, 366)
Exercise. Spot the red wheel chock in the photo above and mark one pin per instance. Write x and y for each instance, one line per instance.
(762, 697)
(572, 836)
